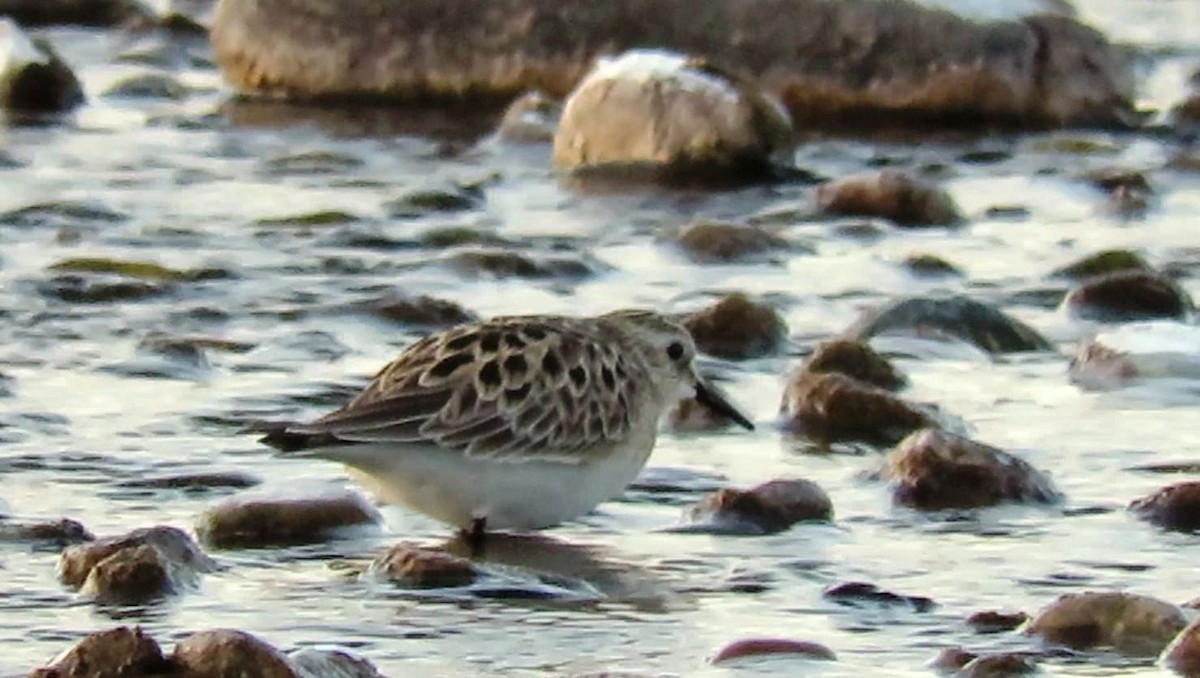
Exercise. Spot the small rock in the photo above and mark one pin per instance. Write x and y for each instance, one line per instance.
(1175, 507)
(935, 470)
(61, 213)
(951, 659)
(78, 289)
(312, 662)
(833, 407)
(1101, 263)
(857, 360)
(63, 532)
(974, 322)
(226, 653)
(137, 270)
(195, 481)
(457, 236)
(1183, 654)
(890, 194)
(307, 220)
(1130, 623)
(853, 593)
(504, 264)
(999, 666)
(121, 652)
(145, 564)
(148, 86)
(530, 119)
(737, 328)
(1135, 352)
(674, 116)
(757, 647)
(1126, 296)
(427, 201)
(930, 266)
(259, 519)
(996, 622)
(72, 12)
(766, 509)
(422, 311)
(1128, 191)
(416, 567)
(33, 79)
(312, 163)
(712, 242)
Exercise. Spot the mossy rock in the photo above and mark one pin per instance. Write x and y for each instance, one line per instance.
(930, 266)
(310, 219)
(1101, 263)
(427, 201)
(138, 270)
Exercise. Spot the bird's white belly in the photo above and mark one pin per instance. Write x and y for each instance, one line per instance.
(455, 489)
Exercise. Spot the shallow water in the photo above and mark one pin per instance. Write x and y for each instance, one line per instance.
(184, 183)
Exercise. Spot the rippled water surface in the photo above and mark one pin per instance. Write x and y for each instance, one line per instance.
(187, 183)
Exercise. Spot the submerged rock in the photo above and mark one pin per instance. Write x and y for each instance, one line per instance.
(432, 200)
(756, 647)
(833, 407)
(671, 115)
(828, 61)
(737, 328)
(415, 567)
(856, 593)
(930, 266)
(1128, 191)
(143, 565)
(956, 316)
(496, 263)
(257, 519)
(991, 621)
(1130, 623)
(1175, 507)
(62, 532)
(765, 509)
(1126, 296)
(935, 470)
(312, 662)
(148, 86)
(890, 194)
(33, 79)
(227, 653)
(121, 652)
(1102, 263)
(1136, 352)
(719, 242)
(530, 118)
(857, 360)
(999, 665)
(423, 311)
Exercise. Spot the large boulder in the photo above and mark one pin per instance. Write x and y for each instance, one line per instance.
(1129, 623)
(826, 60)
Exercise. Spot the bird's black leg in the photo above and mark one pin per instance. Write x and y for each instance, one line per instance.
(476, 536)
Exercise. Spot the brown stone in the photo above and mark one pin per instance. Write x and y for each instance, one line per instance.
(64, 532)
(121, 652)
(1187, 112)
(1183, 654)
(890, 194)
(650, 110)
(830, 61)
(857, 360)
(737, 328)
(1128, 191)
(719, 242)
(1126, 296)
(226, 653)
(1132, 624)
(933, 470)
(423, 311)
(991, 621)
(857, 592)
(176, 549)
(1175, 507)
(416, 567)
(130, 576)
(951, 659)
(500, 264)
(771, 507)
(312, 662)
(833, 407)
(756, 647)
(999, 666)
(530, 118)
(260, 519)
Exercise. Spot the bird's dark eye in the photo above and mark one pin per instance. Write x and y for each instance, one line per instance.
(675, 350)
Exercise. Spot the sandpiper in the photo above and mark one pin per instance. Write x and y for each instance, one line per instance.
(514, 423)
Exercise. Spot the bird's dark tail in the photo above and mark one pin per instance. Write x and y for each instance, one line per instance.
(279, 437)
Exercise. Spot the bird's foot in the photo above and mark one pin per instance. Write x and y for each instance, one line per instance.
(476, 536)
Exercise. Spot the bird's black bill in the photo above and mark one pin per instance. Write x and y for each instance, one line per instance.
(712, 399)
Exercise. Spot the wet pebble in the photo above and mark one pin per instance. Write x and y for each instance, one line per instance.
(195, 481)
(121, 652)
(311, 662)
(1130, 623)
(991, 621)
(957, 316)
(832, 407)
(261, 519)
(737, 328)
(1183, 654)
(33, 78)
(768, 508)
(857, 360)
(998, 665)
(1175, 507)
(505, 264)
(143, 565)
(148, 86)
(416, 567)
(422, 311)
(891, 194)
(77, 289)
(720, 242)
(934, 470)
(1102, 263)
(670, 115)
(930, 266)
(63, 532)
(431, 200)
(1126, 296)
(531, 118)
(62, 213)
(228, 653)
(758, 647)
(856, 593)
